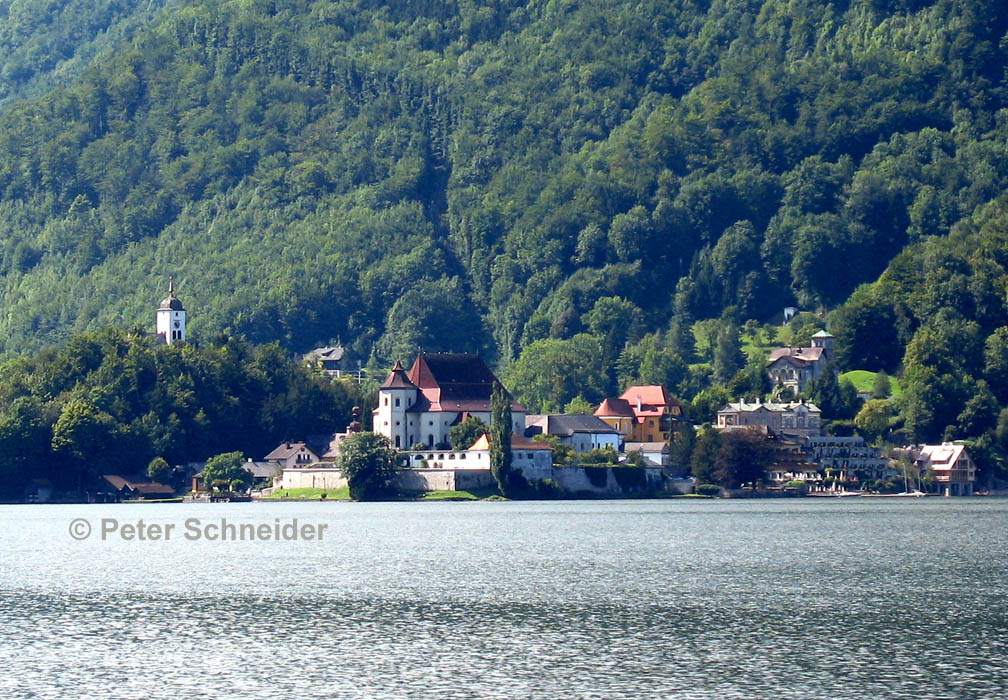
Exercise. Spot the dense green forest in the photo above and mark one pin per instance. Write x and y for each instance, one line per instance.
(573, 189)
(110, 402)
(51, 42)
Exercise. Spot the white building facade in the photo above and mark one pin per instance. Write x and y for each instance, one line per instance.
(440, 391)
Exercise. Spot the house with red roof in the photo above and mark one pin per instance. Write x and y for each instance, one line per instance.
(642, 413)
(439, 391)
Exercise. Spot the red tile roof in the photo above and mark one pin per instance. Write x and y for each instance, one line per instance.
(397, 379)
(455, 382)
(650, 395)
(615, 408)
(653, 401)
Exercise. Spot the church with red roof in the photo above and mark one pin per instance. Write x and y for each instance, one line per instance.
(439, 391)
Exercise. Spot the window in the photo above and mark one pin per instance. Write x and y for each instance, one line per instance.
(397, 441)
(386, 401)
(397, 402)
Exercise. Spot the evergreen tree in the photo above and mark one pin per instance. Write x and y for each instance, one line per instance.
(881, 388)
(500, 439)
(728, 357)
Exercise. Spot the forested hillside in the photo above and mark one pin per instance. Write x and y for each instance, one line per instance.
(112, 401)
(49, 43)
(568, 183)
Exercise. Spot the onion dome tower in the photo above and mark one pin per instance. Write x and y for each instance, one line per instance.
(171, 319)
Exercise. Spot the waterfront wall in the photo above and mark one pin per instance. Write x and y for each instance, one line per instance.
(405, 479)
(576, 480)
(308, 478)
(596, 480)
(443, 479)
(602, 481)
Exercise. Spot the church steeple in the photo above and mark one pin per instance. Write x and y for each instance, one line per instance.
(171, 320)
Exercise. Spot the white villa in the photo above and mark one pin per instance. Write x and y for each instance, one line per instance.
(793, 419)
(796, 367)
(950, 465)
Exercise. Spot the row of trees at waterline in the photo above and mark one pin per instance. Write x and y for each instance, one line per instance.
(111, 402)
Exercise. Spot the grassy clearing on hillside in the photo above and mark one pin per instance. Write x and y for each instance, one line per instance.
(758, 344)
(863, 380)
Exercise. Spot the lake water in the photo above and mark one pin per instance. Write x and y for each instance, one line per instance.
(853, 598)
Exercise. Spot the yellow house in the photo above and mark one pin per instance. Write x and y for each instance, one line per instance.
(642, 413)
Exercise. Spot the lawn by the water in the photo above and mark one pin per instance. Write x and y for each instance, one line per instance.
(342, 494)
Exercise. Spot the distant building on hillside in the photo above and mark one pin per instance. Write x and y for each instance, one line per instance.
(439, 391)
(642, 413)
(795, 367)
(795, 419)
(579, 431)
(328, 359)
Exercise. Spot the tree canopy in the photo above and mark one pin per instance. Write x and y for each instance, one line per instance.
(367, 462)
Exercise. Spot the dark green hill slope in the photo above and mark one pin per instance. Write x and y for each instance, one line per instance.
(448, 176)
(44, 44)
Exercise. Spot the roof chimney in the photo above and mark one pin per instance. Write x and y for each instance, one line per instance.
(638, 403)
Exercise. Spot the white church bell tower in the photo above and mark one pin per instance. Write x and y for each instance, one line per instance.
(171, 317)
